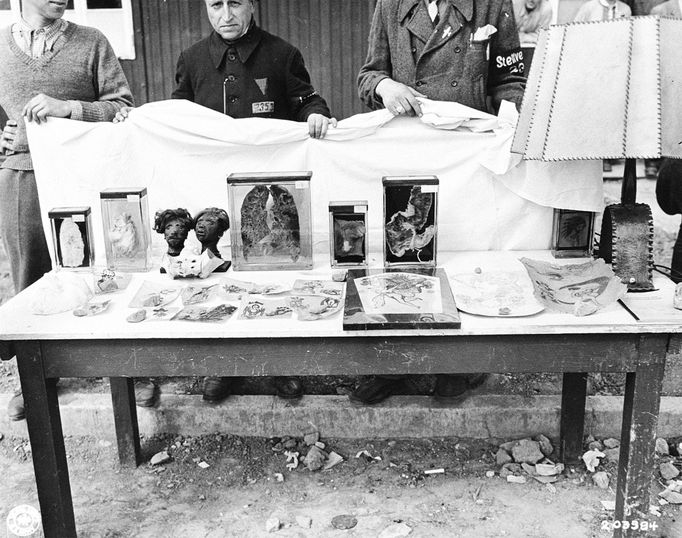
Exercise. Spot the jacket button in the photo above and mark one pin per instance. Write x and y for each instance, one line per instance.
(414, 49)
(457, 49)
(233, 99)
(231, 78)
(420, 83)
(453, 84)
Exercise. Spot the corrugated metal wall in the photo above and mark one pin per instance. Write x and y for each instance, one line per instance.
(331, 34)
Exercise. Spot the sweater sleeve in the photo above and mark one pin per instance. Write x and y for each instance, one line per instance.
(377, 66)
(303, 98)
(505, 76)
(109, 83)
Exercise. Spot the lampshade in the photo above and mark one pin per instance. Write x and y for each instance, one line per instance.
(604, 90)
(608, 90)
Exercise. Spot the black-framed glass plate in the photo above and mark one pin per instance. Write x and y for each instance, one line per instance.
(399, 298)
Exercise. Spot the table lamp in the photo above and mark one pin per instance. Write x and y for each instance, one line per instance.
(608, 90)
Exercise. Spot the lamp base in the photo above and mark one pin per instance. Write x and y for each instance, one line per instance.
(627, 243)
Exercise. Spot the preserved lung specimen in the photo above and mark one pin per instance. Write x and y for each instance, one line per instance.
(253, 217)
(407, 229)
(269, 223)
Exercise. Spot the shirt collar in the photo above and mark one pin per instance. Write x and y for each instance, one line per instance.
(244, 46)
(50, 30)
(465, 7)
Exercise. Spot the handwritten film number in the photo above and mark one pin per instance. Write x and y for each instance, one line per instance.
(635, 525)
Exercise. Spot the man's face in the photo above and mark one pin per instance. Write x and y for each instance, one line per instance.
(175, 233)
(230, 18)
(532, 4)
(207, 228)
(47, 10)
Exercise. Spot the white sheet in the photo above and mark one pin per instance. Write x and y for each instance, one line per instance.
(183, 152)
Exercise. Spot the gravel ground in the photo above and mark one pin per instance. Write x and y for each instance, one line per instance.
(225, 486)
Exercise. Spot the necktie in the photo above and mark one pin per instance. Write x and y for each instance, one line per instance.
(433, 11)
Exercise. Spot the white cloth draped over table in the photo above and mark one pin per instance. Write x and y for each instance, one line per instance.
(183, 152)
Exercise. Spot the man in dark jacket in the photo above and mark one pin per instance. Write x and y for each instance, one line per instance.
(244, 71)
(465, 51)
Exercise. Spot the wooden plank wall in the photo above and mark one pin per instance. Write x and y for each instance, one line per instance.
(331, 34)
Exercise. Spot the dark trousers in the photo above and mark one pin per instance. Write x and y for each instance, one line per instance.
(21, 227)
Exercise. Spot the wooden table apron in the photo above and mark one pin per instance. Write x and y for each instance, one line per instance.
(642, 356)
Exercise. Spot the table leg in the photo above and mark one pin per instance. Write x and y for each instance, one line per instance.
(637, 442)
(47, 443)
(573, 396)
(125, 419)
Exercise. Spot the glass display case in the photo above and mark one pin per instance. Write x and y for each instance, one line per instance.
(72, 237)
(271, 220)
(348, 233)
(410, 220)
(572, 233)
(127, 231)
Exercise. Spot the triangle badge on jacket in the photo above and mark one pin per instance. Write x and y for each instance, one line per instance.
(262, 84)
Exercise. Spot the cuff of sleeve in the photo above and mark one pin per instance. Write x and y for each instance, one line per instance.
(376, 83)
(76, 110)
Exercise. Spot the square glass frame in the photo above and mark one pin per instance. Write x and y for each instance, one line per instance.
(410, 220)
(348, 245)
(72, 237)
(127, 229)
(572, 233)
(270, 221)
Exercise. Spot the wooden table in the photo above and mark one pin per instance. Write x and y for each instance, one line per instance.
(48, 347)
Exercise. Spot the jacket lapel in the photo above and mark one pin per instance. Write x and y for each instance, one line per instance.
(449, 25)
(419, 22)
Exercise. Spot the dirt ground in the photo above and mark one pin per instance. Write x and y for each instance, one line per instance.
(239, 491)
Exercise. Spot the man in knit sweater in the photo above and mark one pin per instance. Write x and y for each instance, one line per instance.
(48, 68)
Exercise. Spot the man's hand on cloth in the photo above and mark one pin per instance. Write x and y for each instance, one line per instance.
(42, 106)
(122, 114)
(398, 98)
(7, 137)
(319, 124)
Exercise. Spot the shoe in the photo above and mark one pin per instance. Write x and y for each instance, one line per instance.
(15, 408)
(375, 390)
(146, 393)
(454, 388)
(651, 172)
(475, 380)
(450, 388)
(216, 388)
(289, 388)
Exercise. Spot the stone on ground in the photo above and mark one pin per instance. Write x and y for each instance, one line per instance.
(601, 480)
(396, 531)
(668, 471)
(527, 451)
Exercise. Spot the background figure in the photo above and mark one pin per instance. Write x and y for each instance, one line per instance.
(602, 10)
(669, 197)
(531, 16)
